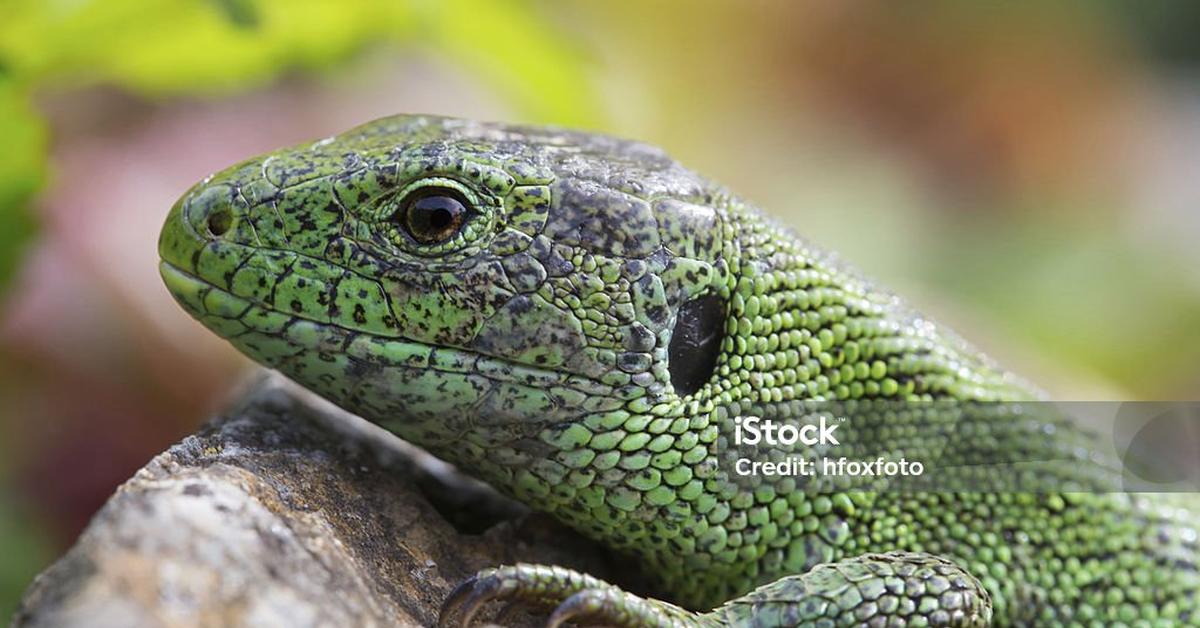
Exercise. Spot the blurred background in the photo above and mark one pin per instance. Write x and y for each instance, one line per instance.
(1027, 172)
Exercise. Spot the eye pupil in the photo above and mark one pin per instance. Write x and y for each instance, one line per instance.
(434, 216)
(441, 218)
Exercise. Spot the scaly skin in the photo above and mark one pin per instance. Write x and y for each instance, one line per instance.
(532, 347)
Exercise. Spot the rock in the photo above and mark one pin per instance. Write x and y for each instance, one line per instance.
(285, 511)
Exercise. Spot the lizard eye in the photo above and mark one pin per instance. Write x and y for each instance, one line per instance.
(433, 215)
(436, 217)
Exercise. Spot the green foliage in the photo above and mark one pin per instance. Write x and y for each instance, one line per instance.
(21, 173)
(25, 551)
(179, 46)
(162, 47)
(519, 54)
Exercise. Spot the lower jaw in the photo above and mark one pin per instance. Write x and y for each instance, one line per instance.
(438, 398)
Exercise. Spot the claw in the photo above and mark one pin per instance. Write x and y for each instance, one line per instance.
(455, 600)
(582, 604)
(471, 595)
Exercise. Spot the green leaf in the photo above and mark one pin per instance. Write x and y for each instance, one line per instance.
(513, 47)
(162, 47)
(159, 47)
(22, 169)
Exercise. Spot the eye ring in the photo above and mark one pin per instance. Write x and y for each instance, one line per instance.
(424, 219)
(433, 215)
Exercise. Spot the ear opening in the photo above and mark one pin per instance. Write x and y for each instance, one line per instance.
(696, 343)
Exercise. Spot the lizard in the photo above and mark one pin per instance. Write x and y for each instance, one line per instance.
(583, 323)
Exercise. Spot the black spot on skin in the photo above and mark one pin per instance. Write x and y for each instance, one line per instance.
(639, 339)
(522, 305)
(359, 369)
(658, 313)
(696, 343)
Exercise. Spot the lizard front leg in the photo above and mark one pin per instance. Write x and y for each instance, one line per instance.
(893, 589)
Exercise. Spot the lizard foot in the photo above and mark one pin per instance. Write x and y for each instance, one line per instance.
(893, 589)
(573, 595)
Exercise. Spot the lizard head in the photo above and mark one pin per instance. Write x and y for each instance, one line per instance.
(467, 285)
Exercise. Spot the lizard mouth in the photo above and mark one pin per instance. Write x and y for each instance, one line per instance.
(290, 343)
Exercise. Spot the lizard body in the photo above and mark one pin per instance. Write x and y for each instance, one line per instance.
(580, 322)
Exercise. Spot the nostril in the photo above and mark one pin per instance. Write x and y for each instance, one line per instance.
(219, 222)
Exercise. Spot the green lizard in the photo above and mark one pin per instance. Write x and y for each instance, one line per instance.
(582, 322)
